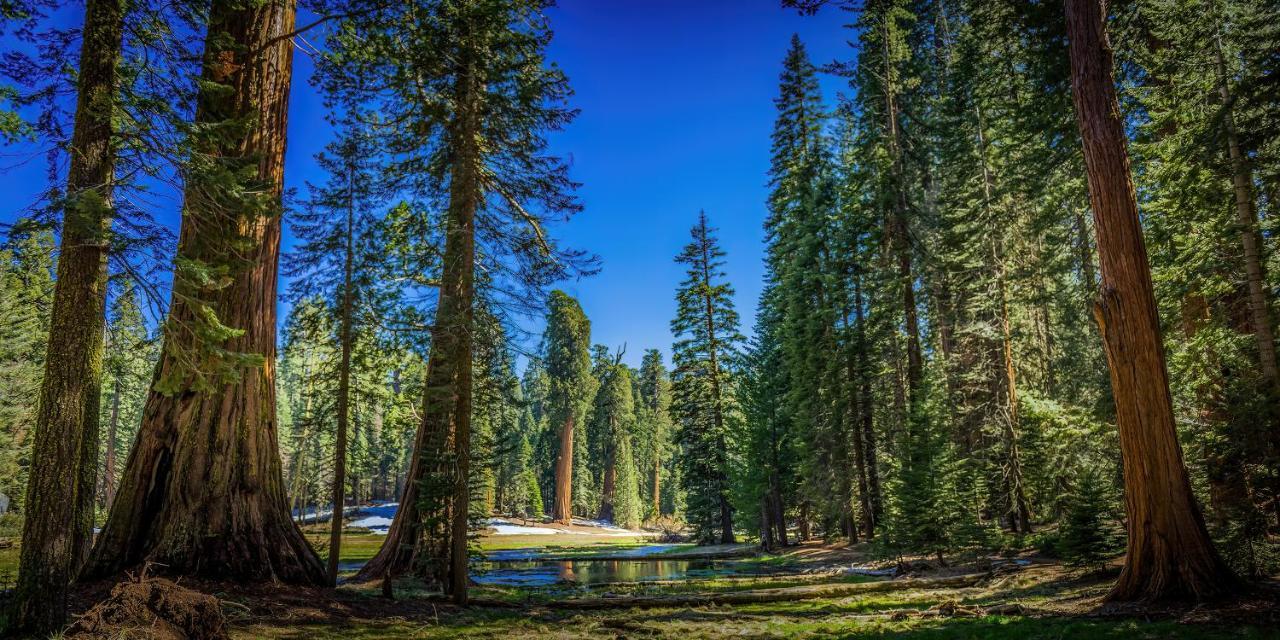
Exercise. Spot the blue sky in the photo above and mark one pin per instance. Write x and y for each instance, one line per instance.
(677, 108)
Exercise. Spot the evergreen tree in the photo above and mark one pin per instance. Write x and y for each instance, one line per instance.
(615, 417)
(565, 352)
(339, 260)
(26, 299)
(1087, 536)
(130, 359)
(214, 398)
(474, 137)
(703, 404)
(654, 445)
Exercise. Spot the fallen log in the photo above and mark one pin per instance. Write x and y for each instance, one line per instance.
(780, 594)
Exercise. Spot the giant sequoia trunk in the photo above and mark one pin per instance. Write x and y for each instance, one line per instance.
(1169, 553)
(562, 505)
(202, 492)
(60, 496)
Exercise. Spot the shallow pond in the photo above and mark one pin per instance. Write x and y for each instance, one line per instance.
(540, 567)
(534, 572)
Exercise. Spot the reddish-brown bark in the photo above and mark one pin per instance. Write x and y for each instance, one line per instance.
(562, 505)
(202, 492)
(1169, 554)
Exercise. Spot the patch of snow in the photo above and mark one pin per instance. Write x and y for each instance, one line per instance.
(599, 524)
(375, 524)
(504, 528)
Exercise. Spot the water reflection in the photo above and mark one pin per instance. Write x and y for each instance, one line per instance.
(535, 572)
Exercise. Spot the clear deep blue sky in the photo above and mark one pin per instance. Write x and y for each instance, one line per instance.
(677, 108)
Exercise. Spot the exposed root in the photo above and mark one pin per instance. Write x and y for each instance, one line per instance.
(149, 607)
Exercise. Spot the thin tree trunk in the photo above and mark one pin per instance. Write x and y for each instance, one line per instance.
(1169, 554)
(726, 509)
(57, 530)
(202, 493)
(867, 414)
(1020, 512)
(779, 517)
(610, 480)
(657, 479)
(344, 391)
(856, 436)
(109, 464)
(1247, 218)
(900, 236)
(766, 527)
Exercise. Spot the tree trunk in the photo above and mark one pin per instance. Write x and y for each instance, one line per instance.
(1247, 218)
(856, 436)
(562, 505)
(657, 479)
(58, 527)
(900, 237)
(610, 480)
(1169, 554)
(1020, 512)
(766, 527)
(344, 392)
(109, 462)
(202, 492)
(802, 523)
(439, 479)
(778, 511)
(867, 415)
(717, 409)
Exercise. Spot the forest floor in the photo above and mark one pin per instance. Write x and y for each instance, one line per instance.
(807, 591)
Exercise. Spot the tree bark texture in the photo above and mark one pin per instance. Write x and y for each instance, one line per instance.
(57, 530)
(1169, 554)
(202, 492)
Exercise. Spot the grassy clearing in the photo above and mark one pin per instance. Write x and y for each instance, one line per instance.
(8, 564)
(870, 617)
(1058, 603)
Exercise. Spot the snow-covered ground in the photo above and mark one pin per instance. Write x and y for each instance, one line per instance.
(503, 528)
(377, 518)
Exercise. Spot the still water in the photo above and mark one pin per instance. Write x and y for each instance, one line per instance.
(534, 567)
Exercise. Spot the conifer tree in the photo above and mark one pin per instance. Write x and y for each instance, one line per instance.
(653, 404)
(339, 260)
(1160, 505)
(202, 492)
(567, 358)
(703, 403)
(57, 530)
(477, 140)
(129, 360)
(615, 417)
(26, 298)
